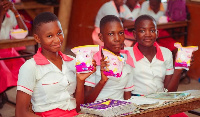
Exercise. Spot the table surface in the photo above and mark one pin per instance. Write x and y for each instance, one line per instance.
(169, 25)
(31, 5)
(9, 43)
(170, 109)
(164, 111)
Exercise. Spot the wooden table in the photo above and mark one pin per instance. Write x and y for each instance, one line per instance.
(170, 109)
(9, 43)
(171, 26)
(33, 8)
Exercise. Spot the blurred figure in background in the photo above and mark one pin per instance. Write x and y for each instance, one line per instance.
(10, 19)
(113, 7)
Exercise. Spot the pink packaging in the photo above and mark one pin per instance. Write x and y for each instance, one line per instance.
(184, 56)
(114, 70)
(18, 33)
(84, 57)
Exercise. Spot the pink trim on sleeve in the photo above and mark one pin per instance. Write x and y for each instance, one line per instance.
(170, 69)
(129, 87)
(25, 88)
(90, 82)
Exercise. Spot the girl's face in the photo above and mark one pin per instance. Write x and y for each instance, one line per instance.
(50, 36)
(146, 33)
(119, 2)
(113, 36)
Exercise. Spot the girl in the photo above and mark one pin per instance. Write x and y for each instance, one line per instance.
(98, 86)
(153, 70)
(48, 80)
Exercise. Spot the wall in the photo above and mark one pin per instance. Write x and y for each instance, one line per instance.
(82, 22)
(194, 37)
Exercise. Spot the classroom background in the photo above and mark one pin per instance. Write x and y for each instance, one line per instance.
(77, 18)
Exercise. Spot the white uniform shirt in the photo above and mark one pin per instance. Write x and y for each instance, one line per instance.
(49, 87)
(145, 9)
(109, 8)
(9, 23)
(113, 89)
(149, 77)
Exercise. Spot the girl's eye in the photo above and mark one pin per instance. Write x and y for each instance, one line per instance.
(59, 33)
(153, 31)
(111, 34)
(49, 36)
(141, 31)
(121, 33)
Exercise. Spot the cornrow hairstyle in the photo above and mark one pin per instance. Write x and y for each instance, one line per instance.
(44, 17)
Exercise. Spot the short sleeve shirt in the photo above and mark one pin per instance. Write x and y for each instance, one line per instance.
(113, 89)
(149, 76)
(109, 8)
(48, 86)
(145, 9)
(9, 23)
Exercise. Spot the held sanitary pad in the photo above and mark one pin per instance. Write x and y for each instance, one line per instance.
(184, 56)
(84, 57)
(114, 70)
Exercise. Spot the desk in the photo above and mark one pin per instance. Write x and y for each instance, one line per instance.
(172, 26)
(164, 111)
(33, 8)
(9, 43)
(170, 109)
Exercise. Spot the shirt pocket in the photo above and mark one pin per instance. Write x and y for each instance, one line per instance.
(53, 90)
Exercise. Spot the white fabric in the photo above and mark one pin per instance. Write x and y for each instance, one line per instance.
(109, 8)
(49, 87)
(7, 25)
(113, 89)
(145, 10)
(149, 77)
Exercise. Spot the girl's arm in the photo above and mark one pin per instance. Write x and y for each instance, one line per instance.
(172, 81)
(92, 93)
(9, 5)
(79, 93)
(23, 101)
(127, 95)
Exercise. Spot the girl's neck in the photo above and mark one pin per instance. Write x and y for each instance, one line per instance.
(148, 52)
(52, 56)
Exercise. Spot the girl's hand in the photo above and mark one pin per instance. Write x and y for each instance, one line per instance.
(104, 65)
(8, 5)
(83, 76)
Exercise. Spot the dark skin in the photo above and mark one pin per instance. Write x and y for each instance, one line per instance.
(131, 4)
(155, 5)
(146, 34)
(51, 41)
(126, 22)
(113, 37)
(4, 7)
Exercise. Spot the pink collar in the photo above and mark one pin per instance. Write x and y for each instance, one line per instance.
(122, 9)
(139, 55)
(42, 60)
(97, 57)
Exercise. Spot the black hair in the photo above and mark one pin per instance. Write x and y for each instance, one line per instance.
(108, 18)
(143, 17)
(44, 17)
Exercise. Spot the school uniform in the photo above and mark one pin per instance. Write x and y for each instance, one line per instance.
(113, 89)
(49, 87)
(108, 8)
(149, 77)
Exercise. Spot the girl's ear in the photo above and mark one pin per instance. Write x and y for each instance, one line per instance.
(37, 39)
(100, 36)
(157, 33)
(134, 34)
